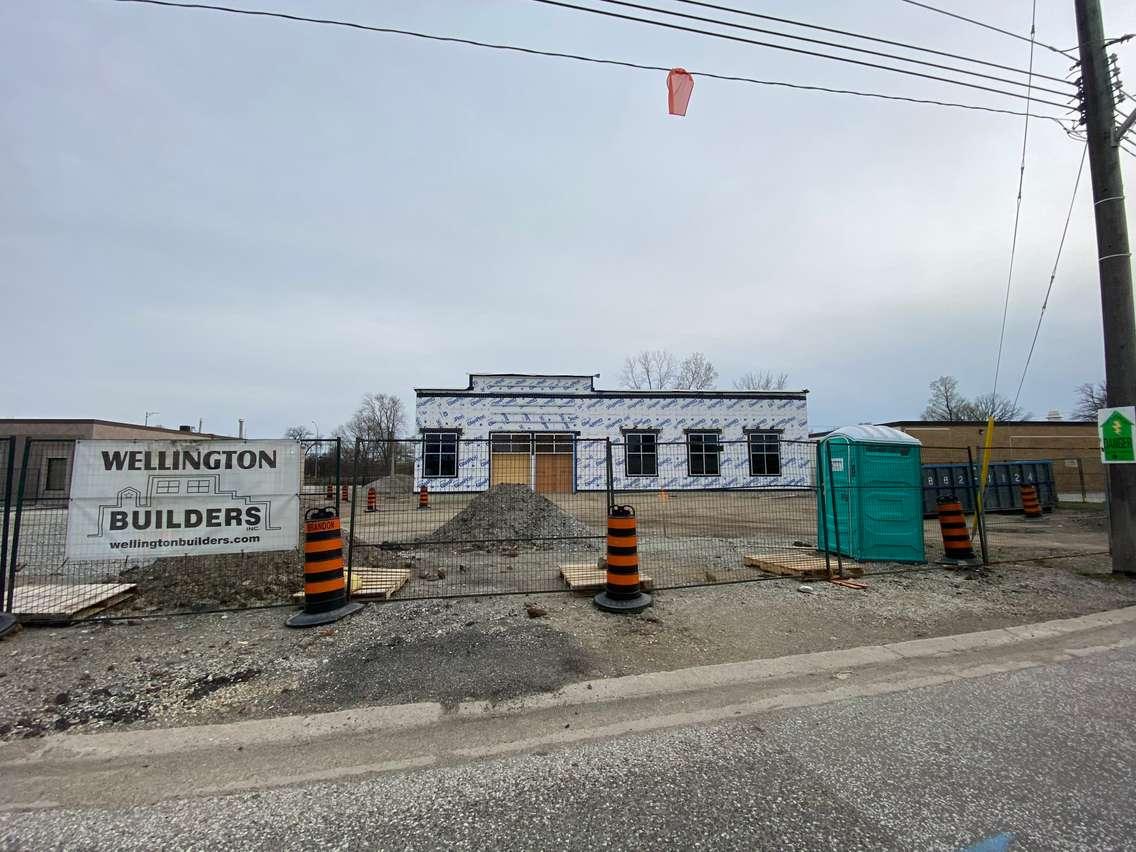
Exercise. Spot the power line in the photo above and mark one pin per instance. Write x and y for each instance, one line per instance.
(580, 57)
(1052, 275)
(876, 39)
(788, 49)
(779, 34)
(984, 25)
(1017, 220)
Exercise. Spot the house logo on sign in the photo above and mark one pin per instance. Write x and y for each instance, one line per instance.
(1114, 426)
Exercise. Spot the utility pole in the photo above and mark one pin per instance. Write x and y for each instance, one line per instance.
(1115, 264)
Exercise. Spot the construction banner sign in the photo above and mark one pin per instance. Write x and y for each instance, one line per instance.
(1115, 429)
(180, 498)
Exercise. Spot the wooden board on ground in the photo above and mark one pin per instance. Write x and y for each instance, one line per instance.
(589, 578)
(790, 565)
(373, 583)
(64, 603)
(377, 582)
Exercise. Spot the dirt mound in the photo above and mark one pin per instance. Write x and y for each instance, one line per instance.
(514, 517)
(215, 582)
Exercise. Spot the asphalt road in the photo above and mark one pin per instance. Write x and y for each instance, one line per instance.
(1041, 758)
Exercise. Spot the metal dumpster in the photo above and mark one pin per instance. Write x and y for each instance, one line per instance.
(1002, 485)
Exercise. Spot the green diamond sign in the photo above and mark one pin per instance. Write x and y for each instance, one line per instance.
(1114, 425)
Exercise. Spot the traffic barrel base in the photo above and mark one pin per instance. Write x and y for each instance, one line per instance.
(8, 623)
(609, 604)
(623, 593)
(314, 619)
(325, 587)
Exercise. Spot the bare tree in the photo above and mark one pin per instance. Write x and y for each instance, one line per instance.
(379, 417)
(947, 401)
(651, 369)
(696, 373)
(298, 433)
(999, 407)
(379, 420)
(762, 380)
(1090, 399)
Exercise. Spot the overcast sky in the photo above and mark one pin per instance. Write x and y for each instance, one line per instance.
(213, 216)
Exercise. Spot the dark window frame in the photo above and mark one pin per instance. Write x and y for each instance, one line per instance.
(553, 443)
(513, 440)
(758, 444)
(702, 452)
(440, 452)
(50, 468)
(640, 434)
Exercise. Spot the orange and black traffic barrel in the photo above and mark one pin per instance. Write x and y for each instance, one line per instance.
(956, 537)
(622, 593)
(423, 498)
(1031, 508)
(325, 587)
(329, 492)
(372, 499)
(343, 495)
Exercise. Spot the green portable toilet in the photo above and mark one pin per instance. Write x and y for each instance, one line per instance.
(875, 475)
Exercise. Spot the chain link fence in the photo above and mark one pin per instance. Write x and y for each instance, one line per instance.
(518, 513)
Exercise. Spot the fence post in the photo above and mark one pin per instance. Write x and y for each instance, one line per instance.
(823, 522)
(351, 530)
(835, 513)
(610, 475)
(979, 520)
(1081, 479)
(392, 450)
(10, 471)
(338, 473)
(16, 525)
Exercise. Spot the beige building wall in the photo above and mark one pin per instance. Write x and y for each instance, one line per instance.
(53, 445)
(1070, 445)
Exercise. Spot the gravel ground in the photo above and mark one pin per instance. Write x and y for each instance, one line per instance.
(223, 667)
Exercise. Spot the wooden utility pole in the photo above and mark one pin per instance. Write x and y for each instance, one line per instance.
(1115, 264)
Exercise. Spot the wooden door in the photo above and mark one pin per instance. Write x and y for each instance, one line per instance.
(512, 468)
(553, 474)
(553, 462)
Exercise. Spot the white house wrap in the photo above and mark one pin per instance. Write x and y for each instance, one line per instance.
(548, 432)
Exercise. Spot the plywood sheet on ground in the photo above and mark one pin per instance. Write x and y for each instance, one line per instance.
(64, 603)
(373, 582)
(589, 578)
(804, 567)
(377, 582)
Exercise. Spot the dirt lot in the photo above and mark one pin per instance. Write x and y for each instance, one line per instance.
(218, 667)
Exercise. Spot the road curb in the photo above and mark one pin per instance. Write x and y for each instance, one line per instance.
(400, 717)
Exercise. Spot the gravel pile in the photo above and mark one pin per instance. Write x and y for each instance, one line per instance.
(511, 517)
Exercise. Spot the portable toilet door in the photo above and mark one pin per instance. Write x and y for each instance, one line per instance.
(837, 505)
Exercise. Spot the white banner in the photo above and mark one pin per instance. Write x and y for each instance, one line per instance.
(181, 498)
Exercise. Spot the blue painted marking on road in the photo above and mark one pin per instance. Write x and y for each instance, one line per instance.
(994, 843)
